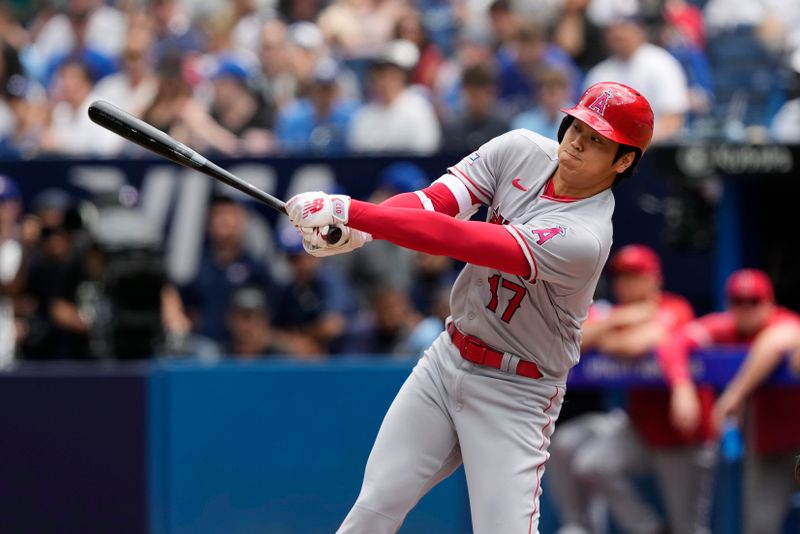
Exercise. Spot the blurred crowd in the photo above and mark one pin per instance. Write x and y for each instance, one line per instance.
(87, 279)
(260, 77)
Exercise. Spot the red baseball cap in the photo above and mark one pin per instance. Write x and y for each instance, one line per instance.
(636, 259)
(750, 284)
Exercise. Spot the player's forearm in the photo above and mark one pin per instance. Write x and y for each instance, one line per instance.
(479, 243)
(634, 343)
(673, 356)
(765, 355)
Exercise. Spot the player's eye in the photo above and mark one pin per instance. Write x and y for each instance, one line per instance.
(596, 139)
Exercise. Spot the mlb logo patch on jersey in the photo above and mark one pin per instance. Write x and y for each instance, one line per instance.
(472, 158)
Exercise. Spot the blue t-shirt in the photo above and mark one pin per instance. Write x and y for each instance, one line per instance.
(299, 129)
(300, 304)
(518, 89)
(209, 292)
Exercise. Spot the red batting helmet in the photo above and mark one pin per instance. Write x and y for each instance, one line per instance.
(617, 112)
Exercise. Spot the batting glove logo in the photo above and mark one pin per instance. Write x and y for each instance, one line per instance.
(313, 206)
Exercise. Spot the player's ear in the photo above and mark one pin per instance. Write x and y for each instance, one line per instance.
(624, 162)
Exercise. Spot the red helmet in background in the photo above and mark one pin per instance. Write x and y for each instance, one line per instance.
(617, 112)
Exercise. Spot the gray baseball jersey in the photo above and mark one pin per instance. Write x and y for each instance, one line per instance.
(450, 410)
(565, 241)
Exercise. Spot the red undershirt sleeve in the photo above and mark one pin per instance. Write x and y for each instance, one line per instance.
(479, 243)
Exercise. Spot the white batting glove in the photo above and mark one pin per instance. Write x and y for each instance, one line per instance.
(314, 241)
(318, 210)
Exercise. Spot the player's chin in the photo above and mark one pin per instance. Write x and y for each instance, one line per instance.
(568, 161)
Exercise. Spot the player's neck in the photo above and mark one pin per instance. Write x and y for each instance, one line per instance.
(579, 188)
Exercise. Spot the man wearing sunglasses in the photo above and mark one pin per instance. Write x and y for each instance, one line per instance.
(771, 332)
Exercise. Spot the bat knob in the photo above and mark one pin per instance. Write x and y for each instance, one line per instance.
(334, 235)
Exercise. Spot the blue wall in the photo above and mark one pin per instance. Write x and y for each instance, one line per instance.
(274, 447)
(235, 447)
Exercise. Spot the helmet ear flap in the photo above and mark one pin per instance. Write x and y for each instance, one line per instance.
(566, 122)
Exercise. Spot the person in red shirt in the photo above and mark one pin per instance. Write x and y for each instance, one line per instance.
(772, 435)
(597, 455)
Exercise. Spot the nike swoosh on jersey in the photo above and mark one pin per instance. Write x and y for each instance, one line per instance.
(515, 183)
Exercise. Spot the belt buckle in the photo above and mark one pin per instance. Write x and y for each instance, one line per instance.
(474, 350)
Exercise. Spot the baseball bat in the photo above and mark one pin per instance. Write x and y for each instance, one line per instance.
(148, 136)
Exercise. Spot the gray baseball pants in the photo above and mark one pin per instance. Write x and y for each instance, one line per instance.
(600, 454)
(451, 411)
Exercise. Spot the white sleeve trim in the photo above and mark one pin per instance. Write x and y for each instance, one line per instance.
(465, 207)
(426, 201)
(526, 250)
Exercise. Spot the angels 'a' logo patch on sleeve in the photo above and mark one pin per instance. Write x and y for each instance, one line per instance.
(543, 235)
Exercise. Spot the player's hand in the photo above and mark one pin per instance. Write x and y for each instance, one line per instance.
(685, 408)
(728, 406)
(315, 241)
(318, 210)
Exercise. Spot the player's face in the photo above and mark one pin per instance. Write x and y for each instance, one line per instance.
(586, 160)
(630, 287)
(750, 314)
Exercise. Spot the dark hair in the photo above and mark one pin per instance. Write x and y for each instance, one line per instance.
(478, 76)
(566, 122)
(499, 5)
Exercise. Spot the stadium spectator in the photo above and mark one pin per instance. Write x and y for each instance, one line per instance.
(13, 32)
(356, 28)
(51, 230)
(10, 71)
(431, 276)
(134, 87)
(382, 265)
(313, 307)
(578, 36)
(101, 63)
(479, 121)
(238, 110)
(397, 118)
(552, 94)
(410, 28)
(504, 22)
(597, 455)
(12, 267)
(277, 84)
(91, 27)
(224, 267)
(772, 437)
(320, 122)
(649, 68)
(305, 46)
(385, 327)
(785, 127)
(441, 20)
(248, 320)
(173, 93)
(70, 130)
(246, 18)
(522, 60)
(175, 36)
(473, 48)
(682, 36)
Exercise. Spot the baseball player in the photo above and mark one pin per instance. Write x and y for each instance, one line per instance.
(488, 391)
(669, 436)
(772, 436)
